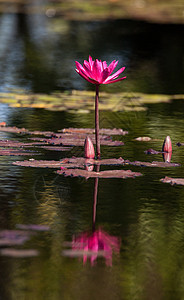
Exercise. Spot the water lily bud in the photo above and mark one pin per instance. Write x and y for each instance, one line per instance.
(89, 151)
(167, 145)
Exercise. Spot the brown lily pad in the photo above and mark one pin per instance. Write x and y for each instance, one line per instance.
(159, 164)
(90, 161)
(172, 181)
(13, 129)
(76, 141)
(56, 148)
(152, 151)
(114, 131)
(12, 152)
(101, 174)
(15, 144)
(38, 163)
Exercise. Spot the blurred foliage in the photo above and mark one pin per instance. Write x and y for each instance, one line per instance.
(151, 10)
(83, 101)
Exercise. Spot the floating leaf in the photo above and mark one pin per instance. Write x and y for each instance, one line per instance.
(89, 161)
(38, 163)
(76, 141)
(152, 151)
(56, 148)
(7, 143)
(173, 181)
(159, 164)
(13, 129)
(12, 152)
(101, 174)
(11, 252)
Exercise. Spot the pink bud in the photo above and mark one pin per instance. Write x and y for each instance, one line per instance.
(89, 151)
(167, 145)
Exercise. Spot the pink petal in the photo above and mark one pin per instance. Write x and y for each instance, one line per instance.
(104, 64)
(113, 81)
(91, 62)
(86, 77)
(105, 75)
(115, 75)
(80, 68)
(97, 70)
(112, 66)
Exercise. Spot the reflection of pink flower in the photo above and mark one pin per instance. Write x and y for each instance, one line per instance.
(99, 243)
(98, 72)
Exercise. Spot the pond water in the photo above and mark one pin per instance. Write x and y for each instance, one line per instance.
(139, 223)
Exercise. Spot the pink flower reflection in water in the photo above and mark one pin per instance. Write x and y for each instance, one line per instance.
(97, 244)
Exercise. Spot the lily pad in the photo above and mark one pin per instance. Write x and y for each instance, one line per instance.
(13, 129)
(159, 164)
(38, 163)
(7, 143)
(152, 151)
(76, 141)
(56, 148)
(172, 181)
(90, 161)
(101, 174)
(12, 152)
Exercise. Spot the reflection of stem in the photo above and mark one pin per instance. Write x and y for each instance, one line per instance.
(97, 123)
(95, 198)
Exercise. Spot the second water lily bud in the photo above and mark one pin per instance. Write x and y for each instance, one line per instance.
(167, 145)
(89, 151)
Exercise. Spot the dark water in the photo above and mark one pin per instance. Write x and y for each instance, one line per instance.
(142, 219)
(35, 57)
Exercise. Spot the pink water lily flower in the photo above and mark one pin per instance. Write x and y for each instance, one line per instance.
(98, 72)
